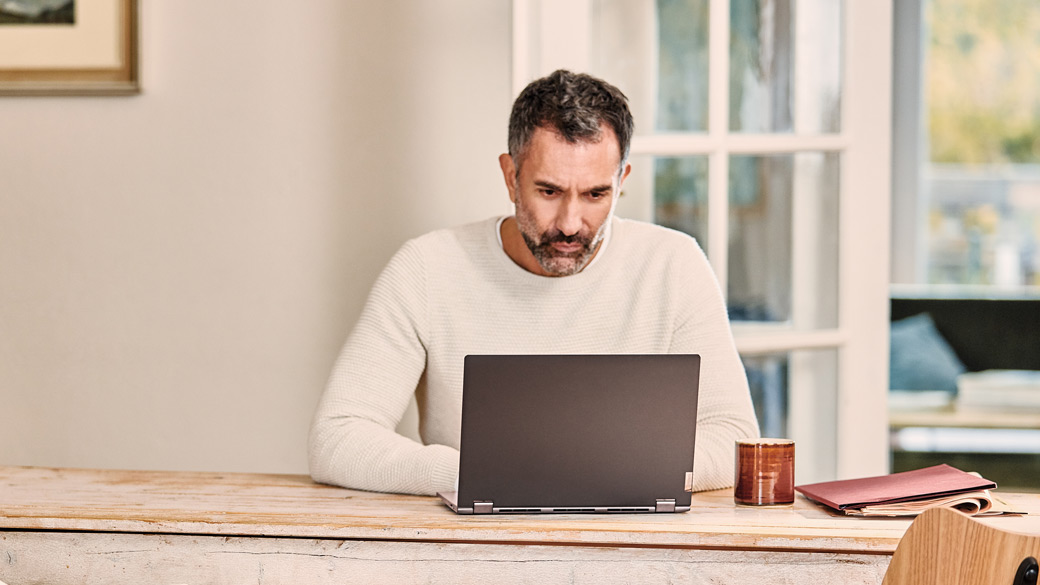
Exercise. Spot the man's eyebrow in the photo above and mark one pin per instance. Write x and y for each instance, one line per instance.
(550, 185)
(547, 185)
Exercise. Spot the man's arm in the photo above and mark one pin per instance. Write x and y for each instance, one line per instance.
(724, 412)
(353, 441)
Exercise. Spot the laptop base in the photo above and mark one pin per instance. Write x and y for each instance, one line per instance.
(663, 506)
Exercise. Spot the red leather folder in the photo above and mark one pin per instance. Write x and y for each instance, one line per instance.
(907, 486)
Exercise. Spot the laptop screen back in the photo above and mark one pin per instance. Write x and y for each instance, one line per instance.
(577, 431)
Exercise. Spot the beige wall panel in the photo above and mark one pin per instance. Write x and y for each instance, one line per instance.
(178, 269)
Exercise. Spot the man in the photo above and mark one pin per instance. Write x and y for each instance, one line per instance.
(561, 276)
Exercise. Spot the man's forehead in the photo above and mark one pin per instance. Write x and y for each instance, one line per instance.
(546, 140)
(582, 179)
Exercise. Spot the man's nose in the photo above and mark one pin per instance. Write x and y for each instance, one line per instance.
(568, 220)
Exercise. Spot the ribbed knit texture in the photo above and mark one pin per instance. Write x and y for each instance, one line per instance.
(455, 292)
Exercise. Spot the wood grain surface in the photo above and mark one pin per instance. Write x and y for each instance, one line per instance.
(946, 547)
(107, 526)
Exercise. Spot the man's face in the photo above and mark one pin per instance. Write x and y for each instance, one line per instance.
(564, 197)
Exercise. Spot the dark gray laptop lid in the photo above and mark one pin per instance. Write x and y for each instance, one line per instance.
(577, 431)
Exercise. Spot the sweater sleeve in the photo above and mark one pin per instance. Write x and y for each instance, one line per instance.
(724, 410)
(353, 442)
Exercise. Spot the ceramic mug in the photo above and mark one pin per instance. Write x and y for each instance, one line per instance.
(764, 472)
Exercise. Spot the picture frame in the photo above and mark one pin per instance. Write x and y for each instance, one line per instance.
(96, 54)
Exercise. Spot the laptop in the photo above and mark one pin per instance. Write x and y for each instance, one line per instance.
(576, 433)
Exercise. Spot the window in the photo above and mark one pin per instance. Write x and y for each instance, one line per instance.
(968, 149)
(762, 130)
(966, 229)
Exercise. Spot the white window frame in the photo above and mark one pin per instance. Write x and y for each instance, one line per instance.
(549, 34)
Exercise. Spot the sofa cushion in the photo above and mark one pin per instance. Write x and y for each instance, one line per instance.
(920, 357)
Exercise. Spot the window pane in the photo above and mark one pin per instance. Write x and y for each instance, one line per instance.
(983, 183)
(681, 195)
(670, 191)
(656, 52)
(783, 239)
(767, 377)
(984, 226)
(682, 98)
(785, 66)
(760, 66)
(793, 394)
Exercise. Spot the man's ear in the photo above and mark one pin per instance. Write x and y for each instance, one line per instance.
(508, 174)
(624, 175)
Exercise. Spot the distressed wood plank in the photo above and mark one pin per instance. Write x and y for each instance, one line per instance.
(101, 526)
(117, 559)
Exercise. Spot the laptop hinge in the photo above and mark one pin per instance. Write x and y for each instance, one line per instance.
(486, 507)
(667, 505)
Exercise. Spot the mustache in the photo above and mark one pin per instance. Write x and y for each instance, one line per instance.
(551, 237)
(543, 248)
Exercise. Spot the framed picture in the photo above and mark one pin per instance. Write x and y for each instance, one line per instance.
(68, 47)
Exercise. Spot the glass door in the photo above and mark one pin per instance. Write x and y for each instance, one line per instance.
(762, 129)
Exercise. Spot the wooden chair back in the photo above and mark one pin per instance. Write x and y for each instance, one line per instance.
(944, 546)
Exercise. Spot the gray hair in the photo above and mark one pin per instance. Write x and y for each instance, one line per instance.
(574, 105)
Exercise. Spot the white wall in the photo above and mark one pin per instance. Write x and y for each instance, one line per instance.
(178, 269)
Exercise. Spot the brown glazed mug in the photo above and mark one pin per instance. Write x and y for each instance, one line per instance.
(764, 472)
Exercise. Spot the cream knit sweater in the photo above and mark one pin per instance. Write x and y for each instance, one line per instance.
(454, 292)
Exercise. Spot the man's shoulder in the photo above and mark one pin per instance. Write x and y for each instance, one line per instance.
(446, 247)
(445, 251)
(658, 250)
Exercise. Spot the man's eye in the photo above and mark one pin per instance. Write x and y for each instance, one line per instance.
(548, 192)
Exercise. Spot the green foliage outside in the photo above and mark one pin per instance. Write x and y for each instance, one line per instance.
(983, 81)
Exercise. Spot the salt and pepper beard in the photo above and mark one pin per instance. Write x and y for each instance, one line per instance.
(553, 262)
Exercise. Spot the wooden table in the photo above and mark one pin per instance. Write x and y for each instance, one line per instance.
(94, 526)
